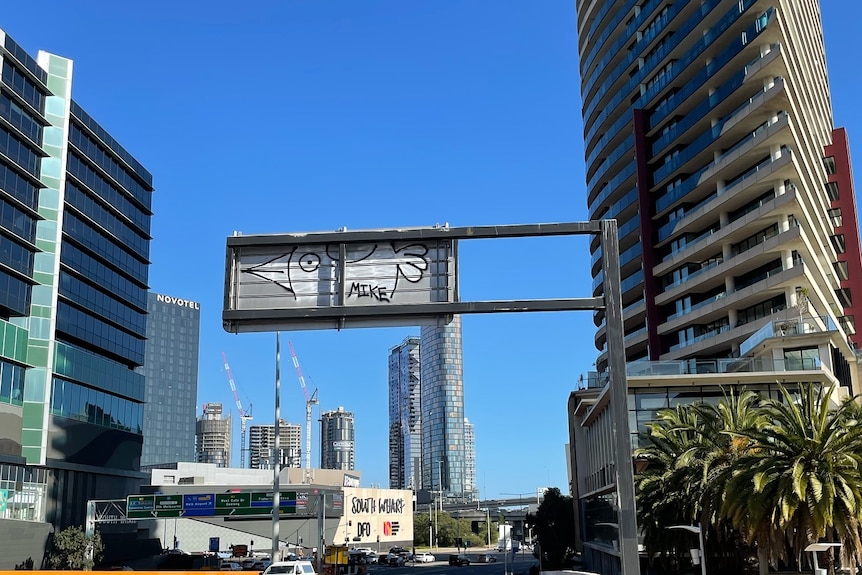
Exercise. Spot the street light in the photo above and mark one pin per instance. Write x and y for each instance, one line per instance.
(700, 549)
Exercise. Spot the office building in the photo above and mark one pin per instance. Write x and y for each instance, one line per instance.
(261, 445)
(444, 452)
(709, 137)
(405, 415)
(212, 436)
(75, 211)
(171, 379)
(337, 440)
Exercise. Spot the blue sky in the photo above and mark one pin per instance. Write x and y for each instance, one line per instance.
(309, 115)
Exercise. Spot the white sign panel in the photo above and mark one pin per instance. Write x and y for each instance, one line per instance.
(374, 274)
(372, 515)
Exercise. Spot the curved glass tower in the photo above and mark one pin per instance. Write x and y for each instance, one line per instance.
(709, 137)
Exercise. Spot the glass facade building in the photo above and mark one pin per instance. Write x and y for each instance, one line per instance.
(444, 450)
(405, 415)
(171, 379)
(709, 137)
(337, 440)
(75, 210)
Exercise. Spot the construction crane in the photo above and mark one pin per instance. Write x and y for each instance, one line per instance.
(310, 401)
(243, 415)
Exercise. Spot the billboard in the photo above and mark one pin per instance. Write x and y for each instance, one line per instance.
(345, 279)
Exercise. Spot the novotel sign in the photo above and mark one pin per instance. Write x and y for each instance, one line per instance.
(178, 301)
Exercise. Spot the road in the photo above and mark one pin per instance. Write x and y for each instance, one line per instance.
(521, 566)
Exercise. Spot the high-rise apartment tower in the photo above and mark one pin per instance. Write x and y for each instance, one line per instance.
(337, 440)
(75, 211)
(405, 417)
(444, 456)
(261, 445)
(171, 378)
(709, 137)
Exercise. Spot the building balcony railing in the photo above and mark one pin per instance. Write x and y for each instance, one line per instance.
(786, 327)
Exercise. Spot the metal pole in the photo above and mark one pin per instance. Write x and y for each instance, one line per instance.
(321, 513)
(702, 551)
(618, 391)
(276, 456)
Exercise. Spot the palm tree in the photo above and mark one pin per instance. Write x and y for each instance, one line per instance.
(690, 454)
(801, 480)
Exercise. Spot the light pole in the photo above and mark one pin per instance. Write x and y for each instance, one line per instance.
(700, 549)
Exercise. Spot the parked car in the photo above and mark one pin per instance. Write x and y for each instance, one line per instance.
(371, 558)
(230, 566)
(424, 557)
(487, 558)
(290, 568)
(459, 560)
(398, 550)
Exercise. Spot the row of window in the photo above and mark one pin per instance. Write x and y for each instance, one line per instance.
(77, 364)
(104, 247)
(20, 223)
(86, 328)
(108, 192)
(107, 219)
(11, 383)
(101, 303)
(20, 118)
(94, 270)
(95, 152)
(14, 296)
(14, 254)
(16, 150)
(23, 86)
(75, 401)
(18, 186)
(79, 114)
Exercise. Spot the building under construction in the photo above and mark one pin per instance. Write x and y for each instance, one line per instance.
(261, 445)
(212, 436)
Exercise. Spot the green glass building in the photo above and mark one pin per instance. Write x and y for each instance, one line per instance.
(75, 211)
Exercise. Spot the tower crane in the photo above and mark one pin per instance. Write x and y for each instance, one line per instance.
(310, 401)
(243, 415)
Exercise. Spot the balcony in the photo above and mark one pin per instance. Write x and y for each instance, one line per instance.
(788, 327)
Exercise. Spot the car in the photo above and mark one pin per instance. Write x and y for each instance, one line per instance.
(230, 566)
(290, 568)
(371, 558)
(363, 550)
(487, 558)
(395, 560)
(398, 550)
(459, 560)
(424, 557)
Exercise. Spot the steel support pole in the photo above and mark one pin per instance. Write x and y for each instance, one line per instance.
(276, 458)
(623, 467)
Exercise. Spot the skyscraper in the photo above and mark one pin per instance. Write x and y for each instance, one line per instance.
(444, 457)
(709, 137)
(261, 444)
(470, 486)
(212, 436)
(171, 379)
(405, 417)
(75, 209)
(337, 440)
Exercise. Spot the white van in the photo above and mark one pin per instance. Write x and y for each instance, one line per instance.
(290, 568)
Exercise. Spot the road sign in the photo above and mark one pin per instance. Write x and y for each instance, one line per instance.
(207, 504)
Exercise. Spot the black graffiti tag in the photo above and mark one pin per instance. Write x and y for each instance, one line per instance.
(374, 291)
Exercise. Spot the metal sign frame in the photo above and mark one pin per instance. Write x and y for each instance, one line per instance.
(392, 314)
(341, 316)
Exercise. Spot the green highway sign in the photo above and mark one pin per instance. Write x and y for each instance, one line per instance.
(208, 504)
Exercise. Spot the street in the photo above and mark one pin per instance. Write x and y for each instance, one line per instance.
(521, 566)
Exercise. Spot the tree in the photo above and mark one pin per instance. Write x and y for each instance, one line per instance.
(554, 525)
(70, 549)
(803, 481)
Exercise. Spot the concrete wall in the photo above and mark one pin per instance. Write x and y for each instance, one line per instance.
(22, 540)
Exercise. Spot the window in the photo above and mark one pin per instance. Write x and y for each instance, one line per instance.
(802, 358)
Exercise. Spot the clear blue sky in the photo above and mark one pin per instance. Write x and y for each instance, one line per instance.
(309, 115)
